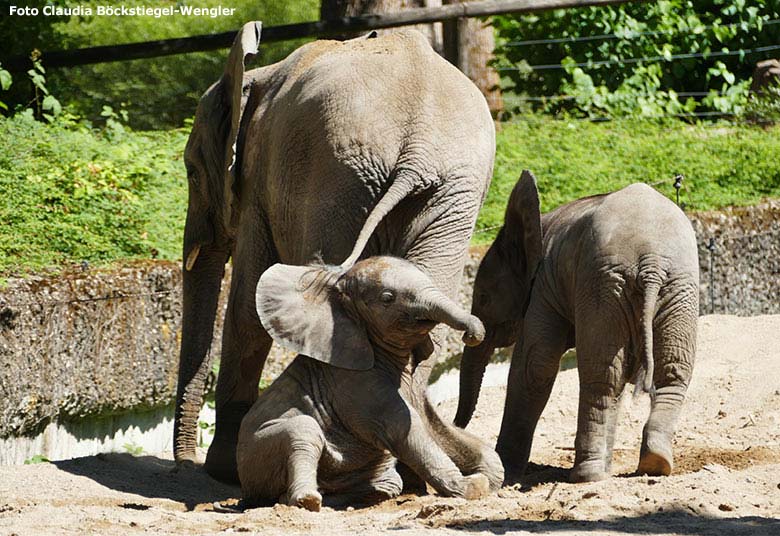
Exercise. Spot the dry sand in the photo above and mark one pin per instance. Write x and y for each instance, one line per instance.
(726, 479)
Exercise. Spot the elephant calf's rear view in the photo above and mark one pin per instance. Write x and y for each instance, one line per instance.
(615, 275)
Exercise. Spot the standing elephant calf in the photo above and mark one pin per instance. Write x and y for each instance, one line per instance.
(615, 275)
(337, 418)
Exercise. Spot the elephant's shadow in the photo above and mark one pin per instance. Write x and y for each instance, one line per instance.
(537, 474)
(151, 477)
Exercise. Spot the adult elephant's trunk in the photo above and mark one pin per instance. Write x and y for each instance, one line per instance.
(472, 370)
(203, 272)
(402, 186)
(439, 308)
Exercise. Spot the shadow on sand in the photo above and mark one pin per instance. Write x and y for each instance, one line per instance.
(152, 477)
(676, 522)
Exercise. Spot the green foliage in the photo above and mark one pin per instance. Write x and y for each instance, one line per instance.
(5, 84)
(43, 104)
(160, 92)
(38, 458)
(69, 194)
(46, 105)
(600, 76)
(133, 448)
(764, 108)
(722, 164)
(20, 37)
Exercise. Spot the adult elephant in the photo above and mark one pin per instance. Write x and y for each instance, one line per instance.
(344, 149)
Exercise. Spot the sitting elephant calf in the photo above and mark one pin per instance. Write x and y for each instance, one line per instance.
(339, 416)
(615, 275)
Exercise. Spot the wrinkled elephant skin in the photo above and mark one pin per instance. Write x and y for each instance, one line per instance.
(615, 275)
(341, 151)
(337, 419)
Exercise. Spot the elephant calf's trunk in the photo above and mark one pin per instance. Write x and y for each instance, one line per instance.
(442, 309)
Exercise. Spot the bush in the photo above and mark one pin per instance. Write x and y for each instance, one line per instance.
(70, 194)
(662, 31)
(764, 108)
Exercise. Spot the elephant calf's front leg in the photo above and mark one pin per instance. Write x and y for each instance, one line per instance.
(420, 451)
(279, 460)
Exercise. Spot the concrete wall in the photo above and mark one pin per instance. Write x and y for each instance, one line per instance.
(102, 343)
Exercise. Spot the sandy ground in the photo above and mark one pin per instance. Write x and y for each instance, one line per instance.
(726, 480)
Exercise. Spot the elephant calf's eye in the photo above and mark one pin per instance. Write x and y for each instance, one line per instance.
(387, 296)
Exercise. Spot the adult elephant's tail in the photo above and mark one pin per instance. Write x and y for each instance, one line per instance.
(404, 184)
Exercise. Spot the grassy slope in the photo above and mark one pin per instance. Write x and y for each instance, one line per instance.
(722, 165)
(71, 195)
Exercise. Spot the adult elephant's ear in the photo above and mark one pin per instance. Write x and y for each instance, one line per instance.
(301, 308)
(523, 223)
(244, 49)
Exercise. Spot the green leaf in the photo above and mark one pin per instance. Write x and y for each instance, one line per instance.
(51, 104)
(5, 80)
(38, 458)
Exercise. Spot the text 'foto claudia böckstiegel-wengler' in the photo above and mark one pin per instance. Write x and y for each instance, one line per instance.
(121, 11)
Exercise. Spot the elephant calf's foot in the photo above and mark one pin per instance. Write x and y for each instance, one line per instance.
(588, 472)
(655, 458)
(476, 486)
(654, 464)
(310, 500)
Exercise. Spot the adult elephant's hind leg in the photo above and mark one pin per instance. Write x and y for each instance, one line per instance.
(674, 344)
(245, 347)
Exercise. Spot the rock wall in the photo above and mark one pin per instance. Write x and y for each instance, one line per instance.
(105, 342)
(745, 256)
(86, 343)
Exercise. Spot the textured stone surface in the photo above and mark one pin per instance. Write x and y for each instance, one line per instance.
(106, 342)
(72, 345)
(745, 279)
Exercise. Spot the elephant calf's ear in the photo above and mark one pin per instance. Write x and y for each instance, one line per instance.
(300, 308)
(523, 220)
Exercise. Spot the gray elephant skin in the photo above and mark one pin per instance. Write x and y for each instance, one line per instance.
(337, 419)
(364, 147)
(615, 276)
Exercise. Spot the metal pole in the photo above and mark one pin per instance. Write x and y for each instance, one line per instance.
(711, 248)
(677, 185)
